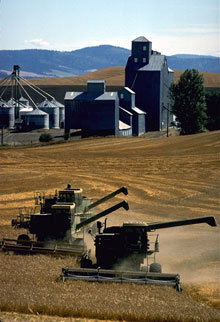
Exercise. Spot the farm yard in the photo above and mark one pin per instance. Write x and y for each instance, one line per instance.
(167, 179)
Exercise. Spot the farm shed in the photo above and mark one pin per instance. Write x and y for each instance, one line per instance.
(95, 111)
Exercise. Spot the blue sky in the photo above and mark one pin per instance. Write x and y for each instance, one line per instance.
(173, 26)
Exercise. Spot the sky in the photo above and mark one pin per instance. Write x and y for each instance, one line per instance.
(173, 26)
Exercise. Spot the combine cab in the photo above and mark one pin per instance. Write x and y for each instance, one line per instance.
(56, 225)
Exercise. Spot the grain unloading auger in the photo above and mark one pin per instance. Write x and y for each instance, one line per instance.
(121, 251)
(55, 228)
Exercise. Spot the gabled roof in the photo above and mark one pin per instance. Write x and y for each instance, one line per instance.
(93, 96)
(141, 39)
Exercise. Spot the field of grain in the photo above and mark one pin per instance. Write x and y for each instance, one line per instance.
(115, 76)
(167, 179)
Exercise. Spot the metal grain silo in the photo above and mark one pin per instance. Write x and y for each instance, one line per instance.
(53, 112)
(61, 112)
(7, 115)
(24, 110)
(24, 101)
(11, 102)
(37, 119)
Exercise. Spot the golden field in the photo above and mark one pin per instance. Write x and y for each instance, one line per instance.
(115, 76)
(167, 179)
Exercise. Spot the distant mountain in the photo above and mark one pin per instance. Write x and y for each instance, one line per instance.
(50, 63)
(201, 63)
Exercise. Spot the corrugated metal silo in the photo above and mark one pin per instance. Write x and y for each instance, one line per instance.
(7, 115)
(24, 101)
(37, 119)
(53, 112)
(24, 110)
(61, 112)
(11, 102)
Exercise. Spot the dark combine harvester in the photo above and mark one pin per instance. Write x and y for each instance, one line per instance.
(121, 251)
(54, 228)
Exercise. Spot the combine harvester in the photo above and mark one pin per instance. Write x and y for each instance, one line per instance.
(122, 250)
(54, 229)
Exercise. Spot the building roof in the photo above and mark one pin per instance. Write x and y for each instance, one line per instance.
(37, 112)
(3, 103)
(155, 63)
(123, 126)
(141, 39)
(46, 103)
(96, 81)
(11, 102)
(22, 99)
(90, 96)
(58, 104)
(26, 109)
(126, 111)
(129, 90)
(138, 110)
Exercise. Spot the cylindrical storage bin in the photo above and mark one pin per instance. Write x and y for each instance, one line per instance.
(53, 112)
(11, 115)
(37, 119)
(7, 116)
(61, 112)
(24, 101)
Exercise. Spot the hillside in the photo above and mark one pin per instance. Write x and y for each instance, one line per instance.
(115, 76)
(51, 63)
(167, 179)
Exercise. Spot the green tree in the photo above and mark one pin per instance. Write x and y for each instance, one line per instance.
(189, 103)
(213, 110)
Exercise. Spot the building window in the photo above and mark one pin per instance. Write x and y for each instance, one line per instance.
(122, 96)
(144, 60)
(144, 48)
(135, 60)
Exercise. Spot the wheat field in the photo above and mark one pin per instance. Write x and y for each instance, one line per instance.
(115, 76)
(167, 179)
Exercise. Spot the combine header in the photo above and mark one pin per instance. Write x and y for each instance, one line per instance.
(122, 250)
(55, 229)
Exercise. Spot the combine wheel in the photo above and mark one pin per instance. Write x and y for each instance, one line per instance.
(155, 268)
(21, 240)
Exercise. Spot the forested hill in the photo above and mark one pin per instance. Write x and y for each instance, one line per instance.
(46, 63)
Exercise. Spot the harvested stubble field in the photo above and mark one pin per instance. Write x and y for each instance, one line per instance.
(167, 179)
